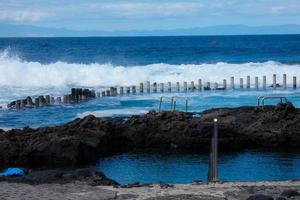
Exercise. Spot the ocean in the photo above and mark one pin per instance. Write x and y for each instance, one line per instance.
(41, 66)
(52, 66)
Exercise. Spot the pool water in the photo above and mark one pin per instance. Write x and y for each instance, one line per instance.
(185, 168)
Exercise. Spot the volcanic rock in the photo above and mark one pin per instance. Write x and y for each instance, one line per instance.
(84, 141)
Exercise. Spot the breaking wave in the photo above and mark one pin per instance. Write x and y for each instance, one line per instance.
(19, 73)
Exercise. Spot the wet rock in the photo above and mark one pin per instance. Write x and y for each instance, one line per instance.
(277, 85)
(290, 193)
(29, 102)
(185, 197)
(197, 182)
(11, 104)
(42, 101)
(61, 176)
(84, 141)
(131, 185)
(280, 198)
(127, 196)
(20, 103)
(260, 197)
(165, 185)
(135, 184)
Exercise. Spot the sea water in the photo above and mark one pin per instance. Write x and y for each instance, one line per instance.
(41, 66)
(186, 168)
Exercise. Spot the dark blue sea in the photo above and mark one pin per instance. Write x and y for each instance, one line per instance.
(140, 51)
(52, 66)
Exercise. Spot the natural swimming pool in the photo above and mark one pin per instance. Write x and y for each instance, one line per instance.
(186, 168)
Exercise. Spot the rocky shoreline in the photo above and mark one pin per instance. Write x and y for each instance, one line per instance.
(61, 176)
(84, 141)
(283, 190)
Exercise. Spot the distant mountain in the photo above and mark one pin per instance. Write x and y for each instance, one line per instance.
(8, 30)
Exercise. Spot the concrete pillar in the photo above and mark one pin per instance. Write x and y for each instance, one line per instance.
(58, 100)
(148, 87)
(69, 99)
(274, 81)
(127, 90)
(185, 86)
(121, 90)
(192, 86)
(93, 93)
(284, 81)
(199, 84)
(264, 82)
(162, 87)
(177, 87)
(80, 93)
(73, 94)
(241, 83)
(85, 94)
(256, 83)
(216, 86)
(36, 102)
(65, 99)
(248, 82)
(225, 84)
(169, 86)
(111, 91)
(48, 99)
(232, 82)
(42, 101)
(108, 93)
(155, 87)
(52, 100)
(134, 89)
(141, 88)
(208, 85)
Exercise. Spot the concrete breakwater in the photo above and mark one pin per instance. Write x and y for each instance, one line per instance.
(79, 94)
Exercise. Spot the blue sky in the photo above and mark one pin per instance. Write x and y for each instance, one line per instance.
(148, 15)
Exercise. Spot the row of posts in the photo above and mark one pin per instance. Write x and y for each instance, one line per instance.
(113, 91)
(77, 95)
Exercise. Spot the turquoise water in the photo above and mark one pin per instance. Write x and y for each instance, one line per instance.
(185, 168)
(138, 104)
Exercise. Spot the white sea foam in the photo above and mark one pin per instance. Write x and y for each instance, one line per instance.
(15, 72)
(114, 112)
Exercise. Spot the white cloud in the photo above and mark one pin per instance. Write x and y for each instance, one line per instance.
(22, 16)
(137, 10)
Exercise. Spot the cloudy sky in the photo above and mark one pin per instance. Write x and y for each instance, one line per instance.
(148, 15)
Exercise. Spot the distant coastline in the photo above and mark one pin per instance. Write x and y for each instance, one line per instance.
(11, 30)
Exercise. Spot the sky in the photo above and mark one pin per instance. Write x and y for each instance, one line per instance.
(110, 15)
